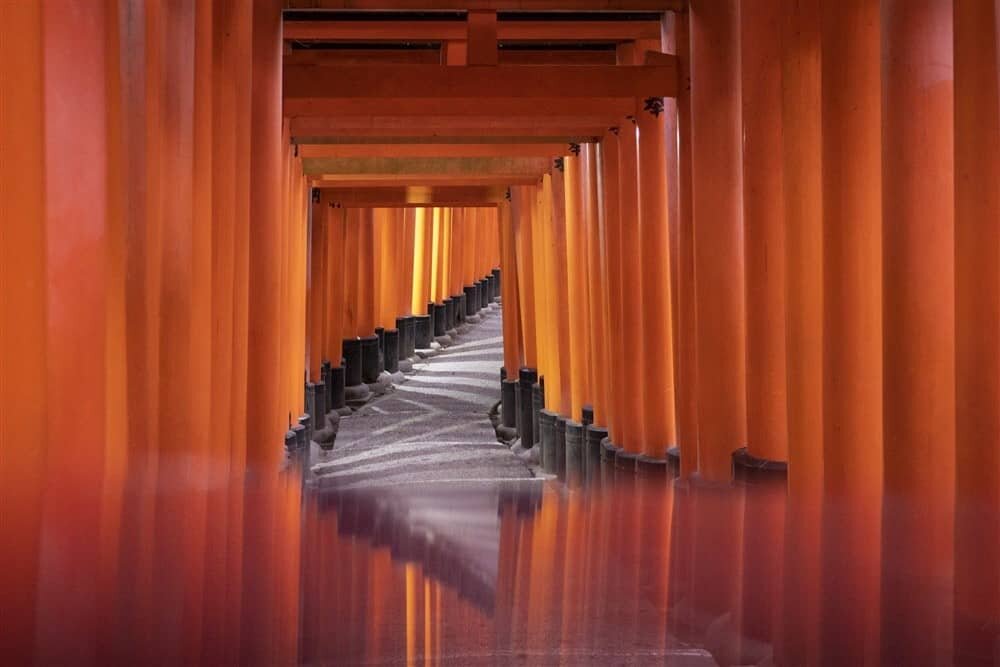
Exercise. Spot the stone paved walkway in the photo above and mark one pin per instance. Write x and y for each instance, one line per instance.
(434, 427)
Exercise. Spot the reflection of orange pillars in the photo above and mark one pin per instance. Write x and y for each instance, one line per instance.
(522, 202)
(802, 189)
(612, 313)
(763, 532)
(351, 239)
(512, 345)
(686, 370)
(919, 329)
(657, 390)
(718, 258)
(977, 327)
(72, 244)
(336, 220)
(24, 389)
(366, 273)
(420, 294)
(764, 231)
(318, 284)
(557, 398)
(577, 210)
(852, 307)
(631, 287)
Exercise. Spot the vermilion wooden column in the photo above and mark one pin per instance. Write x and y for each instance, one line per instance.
(318, 284)
(852, 326)
(764, 229)
(522, 200)
(435, 255)
(658, 369)
(686, 371)
(596, 284)
(576, 280)
(612, 315)
(366, 273)
(512, 343)
(23, 321)
(633, 418)
(422, 223)
(351, 240)
(557, 388)
(802, 188)
(918, 270)
(716, 188)
(407, 247)
(336, 313)
(977, 327)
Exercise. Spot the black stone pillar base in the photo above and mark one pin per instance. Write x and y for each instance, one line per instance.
(390, 350)
(380, 334)
(352, 361)
(537, 404)
(527, 377)
(749, 468)
(593, 436)
(439, 313)
(422, 332)
(574, 453)
(508, 403)
(369, 359)
(336, 390)
(547, 440)
(560, 447)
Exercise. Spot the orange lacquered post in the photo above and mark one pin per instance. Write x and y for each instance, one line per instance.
(512, 345)
(366, 272)
(718, 256)
(631, 287)
(405, 260)
(764, 230)
(918, 271)
(435, 256)
(576, 281)
(852, 332)
(595, 280)
(336, 309)
(318, 284)
(977, 327)
(612, 314)
(657, 391)
(522, 202)
(802, 187)
(421, 260)
(559, 400)
(351, 262)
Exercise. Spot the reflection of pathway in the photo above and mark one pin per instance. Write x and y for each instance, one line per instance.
(420, 469)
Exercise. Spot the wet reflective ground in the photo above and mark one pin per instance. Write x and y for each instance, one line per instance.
(604, 568)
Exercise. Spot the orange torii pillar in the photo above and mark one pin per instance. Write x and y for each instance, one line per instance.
(577, 209)
(613, 313)
(764, 234)
(523, 205)
(336, 308)
(802, 189)
(544, 263)
(366, 298)
(470, 262)
(852, 347)
(388, 228)
(657, 389)
(317, 400)
(513, 347)
(462, 221)
(595, 285)
(633, 418)
(356, 391)
(718, 258)
(422, 231)
(918, 270)
(977, 327)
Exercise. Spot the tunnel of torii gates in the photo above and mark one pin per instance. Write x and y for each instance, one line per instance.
(715, 239)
